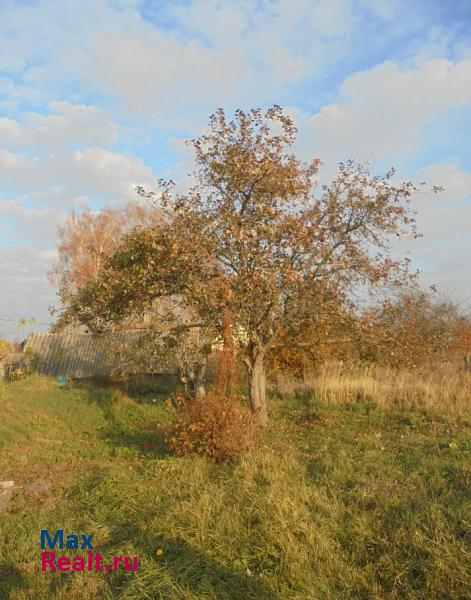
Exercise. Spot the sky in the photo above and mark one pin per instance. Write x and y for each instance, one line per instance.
(98, 96)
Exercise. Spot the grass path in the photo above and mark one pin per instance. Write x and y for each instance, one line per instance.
(338, 503)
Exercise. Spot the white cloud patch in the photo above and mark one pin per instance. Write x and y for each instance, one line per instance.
(67, 125)
(93, 172)
(381, 113)
(444, 252)
(192, 56)
(153, 73)
(456, 183)
(37, 225)
(25, 292)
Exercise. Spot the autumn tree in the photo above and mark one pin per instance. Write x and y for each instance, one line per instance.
(410, 329)
(462, 339)
(331, 336)
(87, 239)
(255, 239)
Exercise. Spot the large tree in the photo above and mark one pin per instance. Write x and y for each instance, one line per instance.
(256, 240)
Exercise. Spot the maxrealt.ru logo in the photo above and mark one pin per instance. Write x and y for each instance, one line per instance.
(93, 561)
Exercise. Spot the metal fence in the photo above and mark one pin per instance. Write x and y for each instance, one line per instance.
(80, 355)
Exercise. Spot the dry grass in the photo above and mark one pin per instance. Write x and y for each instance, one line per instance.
(336, 503)
(444, 387)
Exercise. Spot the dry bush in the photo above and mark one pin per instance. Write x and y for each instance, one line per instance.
(8, 349)
(5, 348)
(12, 364)
(216, 426)
(441, 387)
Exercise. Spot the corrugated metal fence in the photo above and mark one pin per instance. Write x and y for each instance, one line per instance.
(81, 355)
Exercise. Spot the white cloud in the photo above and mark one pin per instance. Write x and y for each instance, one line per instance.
(25, 292)
(456, 183)
(380, 113)
(67, 125)
(38, 225)
(444, 251)
(109, 176)
(445, 218)
(93, 172)
(152, 72)
(194, 56)
(381, 116)
(385, 9)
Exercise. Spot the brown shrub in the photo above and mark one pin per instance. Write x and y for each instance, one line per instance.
(216, 426)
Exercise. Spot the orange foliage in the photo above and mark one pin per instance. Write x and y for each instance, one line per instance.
(408, 331)
(216, 426)
(87, 239)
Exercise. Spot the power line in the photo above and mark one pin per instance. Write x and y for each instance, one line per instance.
(24, 321)
(10, 332)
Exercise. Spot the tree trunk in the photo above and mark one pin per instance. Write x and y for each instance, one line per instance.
(193, 380)
(257, 386)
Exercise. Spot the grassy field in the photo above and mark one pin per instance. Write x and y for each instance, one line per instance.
(341, 501)
(442, 387)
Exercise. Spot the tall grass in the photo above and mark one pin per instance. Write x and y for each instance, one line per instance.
(442, 387)
(336, 503)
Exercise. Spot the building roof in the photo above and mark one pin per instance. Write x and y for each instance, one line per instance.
(84, 355)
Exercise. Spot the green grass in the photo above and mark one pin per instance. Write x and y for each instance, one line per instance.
(339, 502)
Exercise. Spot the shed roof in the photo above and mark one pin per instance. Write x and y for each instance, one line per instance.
(82, 355)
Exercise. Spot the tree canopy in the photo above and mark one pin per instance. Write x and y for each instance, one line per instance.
(255, 239)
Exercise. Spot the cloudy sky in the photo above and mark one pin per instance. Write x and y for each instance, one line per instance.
(97, 96)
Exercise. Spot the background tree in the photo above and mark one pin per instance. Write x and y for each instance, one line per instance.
(331, 336)
(253, 238)
(462, 340)
(87, 239)
(410, 329)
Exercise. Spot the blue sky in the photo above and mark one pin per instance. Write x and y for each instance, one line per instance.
(98, 96)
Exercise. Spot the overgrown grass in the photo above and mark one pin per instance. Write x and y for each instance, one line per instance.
(443, 387)
(341, 501)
